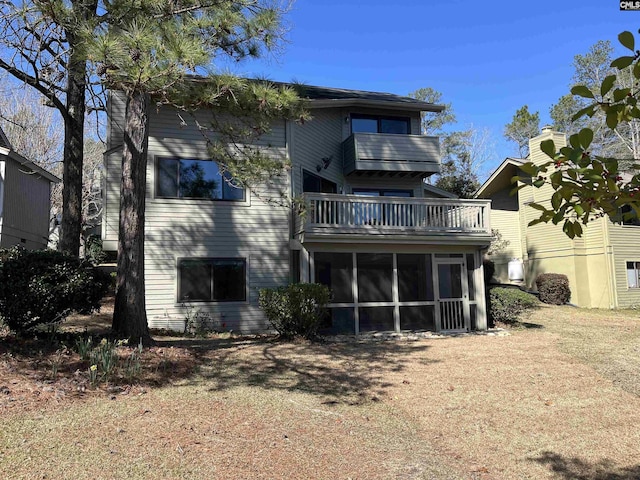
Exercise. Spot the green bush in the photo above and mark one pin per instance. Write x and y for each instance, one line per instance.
(507, 304)
(553, 288)
(93, 251)
(42, 287)
(295, 310)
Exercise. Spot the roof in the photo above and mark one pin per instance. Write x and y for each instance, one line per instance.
(500, 178)
(439, 192)
(330, 97)
(27, 164)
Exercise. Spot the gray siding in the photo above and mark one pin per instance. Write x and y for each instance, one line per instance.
(377, 151)
(315, 140)
(255, 230)
(323, 137)
(26, 207)
(115, 113)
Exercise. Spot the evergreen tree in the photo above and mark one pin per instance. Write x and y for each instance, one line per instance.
(523, 126)
(147, 52)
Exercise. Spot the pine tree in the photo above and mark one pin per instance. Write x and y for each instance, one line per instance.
(147, 53)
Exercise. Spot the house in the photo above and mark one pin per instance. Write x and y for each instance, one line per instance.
(603, 266)
(398, 255)
(25, 199)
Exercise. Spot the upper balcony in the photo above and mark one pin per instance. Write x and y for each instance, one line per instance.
(347, 218)
(393, 154)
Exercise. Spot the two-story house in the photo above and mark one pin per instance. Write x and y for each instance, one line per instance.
(603, 265)
(396, 255)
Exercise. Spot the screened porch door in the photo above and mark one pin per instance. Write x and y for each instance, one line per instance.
(452, 295)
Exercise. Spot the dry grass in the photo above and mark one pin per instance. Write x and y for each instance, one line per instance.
(559, 401)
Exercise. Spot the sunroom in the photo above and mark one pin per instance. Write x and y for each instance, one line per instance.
(398, 288)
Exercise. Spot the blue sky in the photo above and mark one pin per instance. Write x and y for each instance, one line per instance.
(487, 58)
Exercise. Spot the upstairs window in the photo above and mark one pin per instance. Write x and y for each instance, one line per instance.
(315, 183)
(183, 178)
(379, 124)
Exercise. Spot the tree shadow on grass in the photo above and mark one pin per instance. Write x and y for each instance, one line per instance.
(346, 372)
(338, 372)
(577, 469)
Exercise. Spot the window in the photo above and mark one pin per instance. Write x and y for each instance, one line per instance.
(633, 220)
(379, 124)
(212, 279)
(633, 274)
(315, 183)
(182, 178)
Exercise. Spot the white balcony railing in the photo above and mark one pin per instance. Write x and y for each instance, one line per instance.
(394, 214)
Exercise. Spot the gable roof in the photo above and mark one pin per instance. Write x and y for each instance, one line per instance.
(500, 178)
(27, 165)
(7, 152)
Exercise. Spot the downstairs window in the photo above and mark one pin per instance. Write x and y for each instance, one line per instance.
(212, 279)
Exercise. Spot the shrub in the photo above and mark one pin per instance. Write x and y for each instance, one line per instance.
(42, 287)
(295, 310)
(553, 288)
(93, 250)
(507, 304)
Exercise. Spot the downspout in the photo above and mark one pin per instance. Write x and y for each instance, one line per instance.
(607, 251)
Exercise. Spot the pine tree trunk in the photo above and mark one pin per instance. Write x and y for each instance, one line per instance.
(129, 315)
(73, 156)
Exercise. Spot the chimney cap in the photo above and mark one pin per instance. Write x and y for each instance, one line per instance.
(547, 129)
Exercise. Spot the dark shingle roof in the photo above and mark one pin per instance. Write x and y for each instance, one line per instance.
(360, 96)
(322, 97)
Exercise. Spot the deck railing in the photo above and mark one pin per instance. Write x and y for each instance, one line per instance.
(351, 212)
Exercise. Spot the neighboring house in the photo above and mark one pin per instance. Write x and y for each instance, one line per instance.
(25, 199)
(396, 254)
(603, 266)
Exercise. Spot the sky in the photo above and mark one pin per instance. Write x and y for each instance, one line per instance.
(487, 58)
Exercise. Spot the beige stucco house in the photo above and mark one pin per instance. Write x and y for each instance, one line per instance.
(603, 266)
(25, 199)
(396, 254)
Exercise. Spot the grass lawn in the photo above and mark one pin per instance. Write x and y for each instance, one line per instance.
(559, 399)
